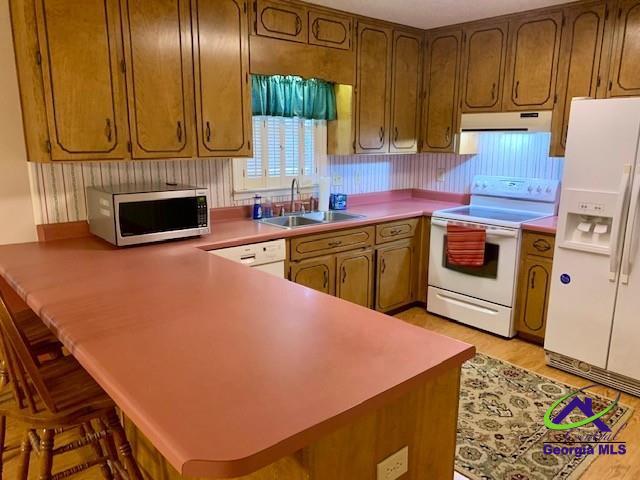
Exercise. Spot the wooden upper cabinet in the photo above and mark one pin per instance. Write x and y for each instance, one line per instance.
(580, 53)
(372, 88)
(405, 97)
(440, 107)
(79, 41)
(484, 66)
(221, 55)
(533, 59)
(330, 30)
(624, 79)
(160, 77)
(287, 21)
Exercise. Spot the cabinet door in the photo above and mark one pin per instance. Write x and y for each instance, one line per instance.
(624, 78)
(83, 82)
(355, 277)
(159, 77)
(395, 275)
(533, 296)
(330, 30)
(281, 20)
(533, 60)
(579, 65)
(484, 65)
(372, 88)
(405, 97)
(317, 273)
(440, 109)
(221, 53)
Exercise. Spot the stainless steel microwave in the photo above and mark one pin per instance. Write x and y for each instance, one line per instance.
(131, 215)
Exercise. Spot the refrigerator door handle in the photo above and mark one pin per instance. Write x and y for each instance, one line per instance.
(628, 238)
(615, 237)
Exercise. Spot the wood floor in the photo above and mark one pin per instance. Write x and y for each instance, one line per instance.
(518, 352)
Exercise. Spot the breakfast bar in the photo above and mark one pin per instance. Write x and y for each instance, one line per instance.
(223, 371)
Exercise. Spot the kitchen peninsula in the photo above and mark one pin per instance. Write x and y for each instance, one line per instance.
(225, 371)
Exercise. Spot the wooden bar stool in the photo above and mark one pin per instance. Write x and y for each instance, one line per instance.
(54, 396)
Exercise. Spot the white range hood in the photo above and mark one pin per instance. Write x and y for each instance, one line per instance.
(507, 122)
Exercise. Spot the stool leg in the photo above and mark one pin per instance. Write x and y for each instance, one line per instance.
(25, 456)
(46, 453)
(87, 429)
(122, 444)
(3, 431)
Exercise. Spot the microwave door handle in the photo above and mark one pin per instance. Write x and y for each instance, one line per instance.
(630, 233)
(617, 227)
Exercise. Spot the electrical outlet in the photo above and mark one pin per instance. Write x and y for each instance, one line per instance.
(395, 466)
(441, 175)
(337, 180)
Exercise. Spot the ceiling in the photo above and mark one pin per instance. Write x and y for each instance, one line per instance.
(434, 13)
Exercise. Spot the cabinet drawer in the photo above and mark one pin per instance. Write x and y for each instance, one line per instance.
(538, 244)
(332, 242)
(388, 232)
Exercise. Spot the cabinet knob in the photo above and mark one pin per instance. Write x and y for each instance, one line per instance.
(108, 131)
(179, 131)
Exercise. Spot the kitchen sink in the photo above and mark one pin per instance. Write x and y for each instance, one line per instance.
(298, 220)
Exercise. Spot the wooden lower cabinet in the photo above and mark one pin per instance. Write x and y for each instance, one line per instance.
(395, 274)
(354, 281)
(534, 281)
(317, 273)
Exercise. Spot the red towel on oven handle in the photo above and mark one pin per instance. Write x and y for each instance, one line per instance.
(465, 245)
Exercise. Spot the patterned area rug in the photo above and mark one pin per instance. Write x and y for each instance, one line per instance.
(501, 430)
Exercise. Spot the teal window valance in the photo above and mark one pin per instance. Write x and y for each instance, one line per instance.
(291, 96)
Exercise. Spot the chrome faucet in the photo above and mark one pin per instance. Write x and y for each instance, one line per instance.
(294, 184)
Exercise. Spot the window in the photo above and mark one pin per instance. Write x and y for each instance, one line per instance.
(283, 149)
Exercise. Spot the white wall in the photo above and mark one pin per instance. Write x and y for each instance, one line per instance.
(16, 210)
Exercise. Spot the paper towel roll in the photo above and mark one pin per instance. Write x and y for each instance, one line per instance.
(324, 192)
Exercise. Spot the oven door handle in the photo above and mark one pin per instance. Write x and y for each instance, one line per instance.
(491, 232)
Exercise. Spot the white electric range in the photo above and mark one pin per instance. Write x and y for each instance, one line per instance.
(484, 296)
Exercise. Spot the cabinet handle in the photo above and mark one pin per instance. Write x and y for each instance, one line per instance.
(208, 132)
(108, 130)
(383, 266)
(344, 274)
(517, 88)
(533, 280)
(335, 243)
(447, 134)
(325, 277)
(542, 245)
(179, 131)
(493, 91)
(316, 29)
(298, 25)
(396, 134)
(381, 133)
(395, 232)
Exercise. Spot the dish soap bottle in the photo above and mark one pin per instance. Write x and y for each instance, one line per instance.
(257, 207)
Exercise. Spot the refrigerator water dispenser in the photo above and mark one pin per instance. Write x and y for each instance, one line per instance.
(589, 221)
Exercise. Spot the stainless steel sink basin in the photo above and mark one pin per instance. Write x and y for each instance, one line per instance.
(331, 216)
(290, 221)
(298, 220)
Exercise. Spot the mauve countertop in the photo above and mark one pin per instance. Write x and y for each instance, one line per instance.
(224, 368)
(543, 225)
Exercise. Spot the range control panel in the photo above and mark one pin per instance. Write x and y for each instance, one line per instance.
(536, 189)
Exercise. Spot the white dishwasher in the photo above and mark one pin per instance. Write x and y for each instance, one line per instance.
(267, 256)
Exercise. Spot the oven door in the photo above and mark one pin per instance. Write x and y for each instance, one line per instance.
(157, 216)
(494, 281)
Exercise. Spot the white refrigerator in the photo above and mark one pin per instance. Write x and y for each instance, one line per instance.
(593, 322)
